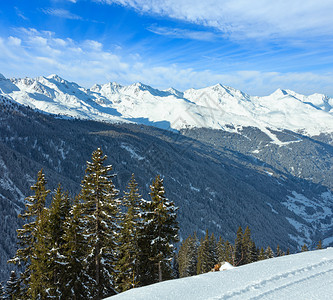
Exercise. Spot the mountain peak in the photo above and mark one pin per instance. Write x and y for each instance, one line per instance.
(2, 77)
(55, 77)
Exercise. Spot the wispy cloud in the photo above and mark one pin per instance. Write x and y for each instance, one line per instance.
(61, 13)
(179, 33)
(20, 13)
(298, 19)
(30, 52)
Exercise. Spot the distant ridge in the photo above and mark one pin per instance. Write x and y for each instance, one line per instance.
(215, 107)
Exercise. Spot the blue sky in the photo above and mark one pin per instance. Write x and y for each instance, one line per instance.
(256, 46)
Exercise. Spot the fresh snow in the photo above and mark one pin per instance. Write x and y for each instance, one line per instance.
(215, 107)
(307, 275)
(317, 214)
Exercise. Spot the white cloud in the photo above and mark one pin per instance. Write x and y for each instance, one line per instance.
(61, 13)
(244, 18)
(183, 33)
(35, 53)
(14, 41)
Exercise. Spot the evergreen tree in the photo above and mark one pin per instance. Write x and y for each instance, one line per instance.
(304, 248)
(229, 252)
(239, 251)
(57, 215)
(187, 256)
(159, 233)
(39, 284)
(213, 251)
(220, 251)
(269, 252)
(12, 288)
(253, 252)
(129, 256)
(319, 246)
(261, 255)
(29, 237)
(75, 281)
(100, 212)
(207, 256)
(279, 252)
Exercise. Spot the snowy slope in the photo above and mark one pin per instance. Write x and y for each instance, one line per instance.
(212, 107)
(306, 275)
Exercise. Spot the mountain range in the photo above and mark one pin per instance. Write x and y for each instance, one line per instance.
(215, 107)
(227, 158)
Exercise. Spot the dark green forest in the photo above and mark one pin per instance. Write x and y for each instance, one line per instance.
(100, 243)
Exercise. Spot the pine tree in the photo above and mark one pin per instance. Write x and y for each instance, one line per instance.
(279, 252)
(239, 251)
(39, 284)
(207, 256)
(58, 213)
(30, 235)
(269, 252)
(100, 208)
(187, 256)
(213, 251)
(220, 251)
(75, 281)
(261, 255)
(304, 248)
(158, 235)
(229, 252)
(12, 288)
(253, 252)
(246, 246)
(129, 256)
(319, 246)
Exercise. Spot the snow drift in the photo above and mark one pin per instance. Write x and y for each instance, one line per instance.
(307, 275)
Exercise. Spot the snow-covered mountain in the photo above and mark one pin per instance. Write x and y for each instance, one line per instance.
(307, 275)
(215, 107)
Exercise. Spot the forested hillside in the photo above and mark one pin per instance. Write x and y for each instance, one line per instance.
(216, 187)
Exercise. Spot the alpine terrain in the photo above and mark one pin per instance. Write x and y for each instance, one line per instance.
(227, 158)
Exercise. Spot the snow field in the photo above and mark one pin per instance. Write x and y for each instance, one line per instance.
(307, 275)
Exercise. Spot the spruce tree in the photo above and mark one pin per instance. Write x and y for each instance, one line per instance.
(220, 250)
(57, 215)
(207, 256)
(279, 252)
(319, 246)
(75, 281)
(304, 248)
(187, 256)
(29, 237)
(100, 207)
(246, 246)
(239, 252)
(212, 247)
(253, 252)
(261, 255)
(229, 252)
(39, 285)
(158, 235)
(12, 288)
(131, 224)
(269, 252)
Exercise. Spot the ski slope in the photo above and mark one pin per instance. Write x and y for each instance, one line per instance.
(307, 275)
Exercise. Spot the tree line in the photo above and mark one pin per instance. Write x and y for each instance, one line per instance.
(96, 244)
(200, 256)
(99, 243)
